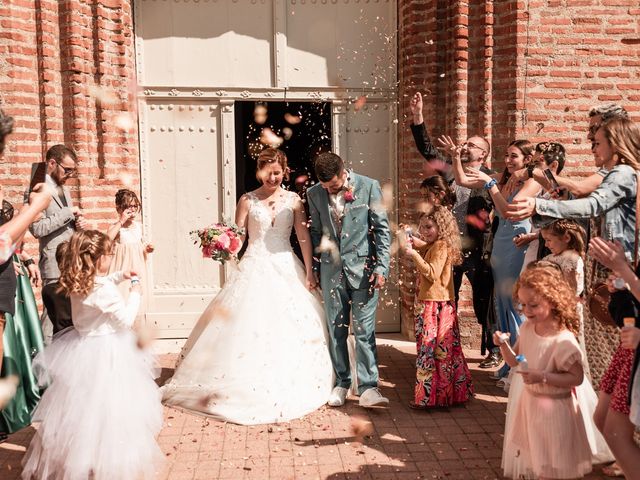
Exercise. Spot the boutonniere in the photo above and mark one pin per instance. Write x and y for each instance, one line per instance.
(349, 196)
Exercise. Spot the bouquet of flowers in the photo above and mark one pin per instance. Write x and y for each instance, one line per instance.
(220, 241)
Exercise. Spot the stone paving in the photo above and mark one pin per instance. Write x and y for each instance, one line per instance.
(457, 443)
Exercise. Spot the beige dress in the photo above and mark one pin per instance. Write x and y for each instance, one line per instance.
(548, 432)
(130, 256)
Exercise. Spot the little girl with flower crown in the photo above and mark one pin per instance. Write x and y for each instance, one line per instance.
(442, 375)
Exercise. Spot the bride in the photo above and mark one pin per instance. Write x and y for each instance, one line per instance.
(258, 353)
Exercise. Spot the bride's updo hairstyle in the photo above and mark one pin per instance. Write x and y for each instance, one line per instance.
(80, 264)
(272, 155)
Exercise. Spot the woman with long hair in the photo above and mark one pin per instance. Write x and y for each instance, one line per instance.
(506, 257)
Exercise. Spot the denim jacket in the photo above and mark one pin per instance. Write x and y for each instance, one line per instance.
(614, 201)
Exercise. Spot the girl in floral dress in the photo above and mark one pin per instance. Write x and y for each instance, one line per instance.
(442, 375)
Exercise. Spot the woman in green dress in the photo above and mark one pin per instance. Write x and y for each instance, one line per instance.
(22, 340)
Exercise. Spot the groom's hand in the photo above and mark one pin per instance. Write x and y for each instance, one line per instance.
(377, 280)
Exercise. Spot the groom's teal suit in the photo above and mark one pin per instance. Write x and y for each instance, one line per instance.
(363, 245)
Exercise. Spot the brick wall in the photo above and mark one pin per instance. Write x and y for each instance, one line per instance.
(503, 69)
(57, 59)
(511, 69)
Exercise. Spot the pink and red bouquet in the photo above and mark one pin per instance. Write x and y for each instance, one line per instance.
(220, 241)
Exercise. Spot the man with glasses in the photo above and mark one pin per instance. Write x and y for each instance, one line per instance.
(472, 209)
(58, 221)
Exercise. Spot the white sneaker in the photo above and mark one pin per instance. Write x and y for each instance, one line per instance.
(338, 396)
(372, 398)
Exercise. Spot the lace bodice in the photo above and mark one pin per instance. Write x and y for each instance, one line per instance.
(269, 226)
(572, 267)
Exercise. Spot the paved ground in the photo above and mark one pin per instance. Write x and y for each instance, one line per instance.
(459, 443)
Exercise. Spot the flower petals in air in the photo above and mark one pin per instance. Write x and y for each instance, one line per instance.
(359, 103)
(267, 137)
(292, 119)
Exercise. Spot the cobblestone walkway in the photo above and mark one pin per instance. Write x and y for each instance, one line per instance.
(459, 443)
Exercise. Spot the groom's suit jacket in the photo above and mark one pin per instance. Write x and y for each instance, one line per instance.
(364, 240)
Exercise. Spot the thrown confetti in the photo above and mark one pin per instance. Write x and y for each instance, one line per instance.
(359, 103)
(8, 386)
(292, 119)
(267, 137)
(124, 122)
(260, 114)
(361, 427)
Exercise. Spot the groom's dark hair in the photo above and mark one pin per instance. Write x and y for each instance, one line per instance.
(328, 165)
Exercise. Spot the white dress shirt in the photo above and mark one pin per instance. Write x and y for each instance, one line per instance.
(336, 200)
(104, 311)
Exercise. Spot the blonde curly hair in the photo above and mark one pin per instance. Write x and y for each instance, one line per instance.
(547, 281)
(447, 230)
(79, 264)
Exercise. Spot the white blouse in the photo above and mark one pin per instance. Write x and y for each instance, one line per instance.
(104, 311)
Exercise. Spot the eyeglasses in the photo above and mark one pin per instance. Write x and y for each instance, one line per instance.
(68, 171)
(473, 145)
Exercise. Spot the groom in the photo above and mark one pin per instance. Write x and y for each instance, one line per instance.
(349, 228)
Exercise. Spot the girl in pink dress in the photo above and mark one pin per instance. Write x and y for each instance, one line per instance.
(547, 431)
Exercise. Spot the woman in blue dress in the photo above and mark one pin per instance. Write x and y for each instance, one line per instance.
(506, 257)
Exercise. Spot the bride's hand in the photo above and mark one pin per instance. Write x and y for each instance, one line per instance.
(311, 282)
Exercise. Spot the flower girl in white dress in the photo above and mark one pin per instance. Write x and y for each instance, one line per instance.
(101, 412)
(258, 354)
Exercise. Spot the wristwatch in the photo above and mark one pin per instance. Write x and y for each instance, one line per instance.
(530, 169)
(27, 262)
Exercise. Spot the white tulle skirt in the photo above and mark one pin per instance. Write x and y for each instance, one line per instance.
(100, 414)
(517, 463)
(259, 353)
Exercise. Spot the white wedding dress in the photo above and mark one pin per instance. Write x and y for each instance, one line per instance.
(259, 352)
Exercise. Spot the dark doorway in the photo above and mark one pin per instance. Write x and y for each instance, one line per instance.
(303, 127)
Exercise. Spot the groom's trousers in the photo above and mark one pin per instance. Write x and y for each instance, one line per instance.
(342, 305)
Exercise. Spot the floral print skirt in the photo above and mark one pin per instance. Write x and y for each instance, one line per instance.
(617, 379)
(442, 374)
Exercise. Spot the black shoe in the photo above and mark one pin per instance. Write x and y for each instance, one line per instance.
(493, 360)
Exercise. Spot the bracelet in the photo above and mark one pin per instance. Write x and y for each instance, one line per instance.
(490, 184)
(28, 261)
